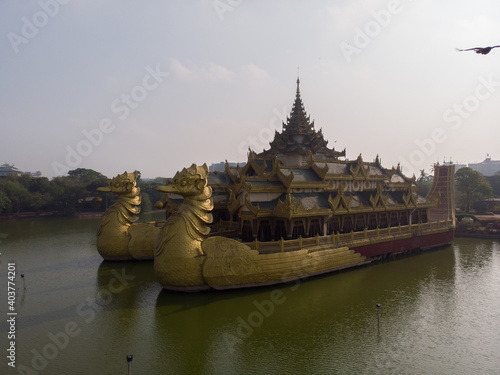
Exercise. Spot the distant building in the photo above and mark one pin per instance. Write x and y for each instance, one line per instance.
(487, 167)
(457, 165)
(221, 167)
(7, 169)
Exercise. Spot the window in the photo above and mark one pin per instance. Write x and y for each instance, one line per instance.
(298, 229)
(246, 232)
(360, 222)
(383, 220)
(372, 221)
(414, 217)
(347, 227)
(404, 217)
(314, 228)
(394, 219)
(334, 225)
(264, 233)
(280, 230)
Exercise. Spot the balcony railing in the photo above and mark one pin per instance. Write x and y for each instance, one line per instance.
(339, 239)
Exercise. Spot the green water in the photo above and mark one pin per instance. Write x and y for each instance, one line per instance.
(440, 314)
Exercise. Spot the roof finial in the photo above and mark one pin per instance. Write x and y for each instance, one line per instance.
(298, 80)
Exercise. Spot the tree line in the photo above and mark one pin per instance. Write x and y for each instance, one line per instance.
(67, 195)
(77, 192)
(473, 191)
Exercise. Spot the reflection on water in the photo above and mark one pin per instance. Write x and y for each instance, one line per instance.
(439, 314)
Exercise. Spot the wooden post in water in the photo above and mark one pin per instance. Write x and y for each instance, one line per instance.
(129, 360)
(24, 281)
(378, 306)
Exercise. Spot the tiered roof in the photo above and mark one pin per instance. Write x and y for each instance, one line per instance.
(299, 136)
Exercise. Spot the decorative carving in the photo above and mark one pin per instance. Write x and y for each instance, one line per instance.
(276, 167)
(112, 233)
(310, 160)
(229, 262)
(359, 171)
(286, 179)
(236, 187)
(118, 238)
(410, 198)
(254, 210)
(234, 204)
(178, 253)
(228, 170)
(341, 202)
(258, 169)
(379, 200)
(289, 208)
(320, 171)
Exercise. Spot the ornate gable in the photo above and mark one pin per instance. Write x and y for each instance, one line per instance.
(234, 203)
(379, 200)
(359, 171)
(253, 210)
(410, 198)
(289, 208)
(320, 171)
(236, 187)
(285, 179)
(341, 202)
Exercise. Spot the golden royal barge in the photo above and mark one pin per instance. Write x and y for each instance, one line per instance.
(293, 211)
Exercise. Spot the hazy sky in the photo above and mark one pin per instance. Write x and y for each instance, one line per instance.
(157, 85)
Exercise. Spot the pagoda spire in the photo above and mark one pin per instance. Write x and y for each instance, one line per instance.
(298, 121)
(299, 136)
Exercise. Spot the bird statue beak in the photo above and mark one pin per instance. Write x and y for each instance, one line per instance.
(167, 189)
(106, 189)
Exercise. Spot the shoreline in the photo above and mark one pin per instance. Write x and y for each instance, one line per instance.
(57, 215)
(487, 227)
(483, 236)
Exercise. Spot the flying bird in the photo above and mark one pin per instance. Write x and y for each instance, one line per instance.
(480, 50)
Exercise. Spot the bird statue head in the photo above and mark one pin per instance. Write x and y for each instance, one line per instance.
(121, 184)
(188, 182)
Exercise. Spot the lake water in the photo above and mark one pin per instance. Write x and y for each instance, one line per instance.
(439, 314)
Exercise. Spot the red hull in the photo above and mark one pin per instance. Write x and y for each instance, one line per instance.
(406, 245)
